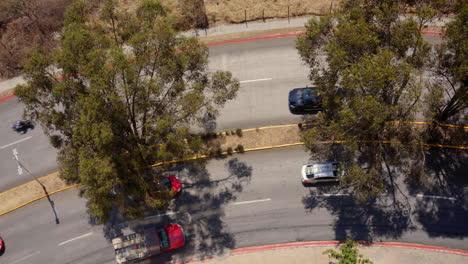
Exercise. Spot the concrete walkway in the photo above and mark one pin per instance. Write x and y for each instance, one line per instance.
(311, 252)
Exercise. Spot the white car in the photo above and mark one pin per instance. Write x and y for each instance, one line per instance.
(321, 172)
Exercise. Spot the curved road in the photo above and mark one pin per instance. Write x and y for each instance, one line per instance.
(239, 201)
(267, 69)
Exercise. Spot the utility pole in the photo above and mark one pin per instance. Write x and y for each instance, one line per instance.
(20, 171)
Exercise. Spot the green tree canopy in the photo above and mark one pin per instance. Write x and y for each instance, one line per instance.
(348, 254)
(129, 89)
(367, 62)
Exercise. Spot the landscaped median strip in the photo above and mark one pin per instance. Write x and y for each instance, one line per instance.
(252, 139)
(309, 244)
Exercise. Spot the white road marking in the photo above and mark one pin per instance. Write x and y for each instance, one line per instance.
(6, 146)
(436, 197)
(253, 201)
(333, 194)
(158, 215)
(73, 239)
(28, 256)
(256, 80)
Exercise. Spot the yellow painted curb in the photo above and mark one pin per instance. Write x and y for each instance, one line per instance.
(38, 198)
(26, 183)
(233, 152)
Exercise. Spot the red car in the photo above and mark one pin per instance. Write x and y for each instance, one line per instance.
(171, 182)
(147, 243)
(1, 245)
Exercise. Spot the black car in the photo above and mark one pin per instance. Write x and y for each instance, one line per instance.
(304, 100)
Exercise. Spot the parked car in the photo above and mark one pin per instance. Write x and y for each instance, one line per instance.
(21, 124)
(148, 243)
(171, 183)
(304, 101)
(2, 245)
(321, 172)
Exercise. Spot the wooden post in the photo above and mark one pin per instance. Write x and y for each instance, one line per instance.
(263, 15)
(245, 15)
(288, 16)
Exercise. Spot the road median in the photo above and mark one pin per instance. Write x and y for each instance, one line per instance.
(217, 144)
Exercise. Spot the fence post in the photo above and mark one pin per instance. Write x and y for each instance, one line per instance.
(288, 16)
(245, 16)
(331, 6)
(263, 15)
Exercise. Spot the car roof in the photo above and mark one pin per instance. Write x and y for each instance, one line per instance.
(320, 170)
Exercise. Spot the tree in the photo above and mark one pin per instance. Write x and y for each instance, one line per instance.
(367, 63)
(348, 254)
(449, 92)
(129, 89)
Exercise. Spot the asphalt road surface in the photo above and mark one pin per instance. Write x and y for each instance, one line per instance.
(267, 69)
(250, 199)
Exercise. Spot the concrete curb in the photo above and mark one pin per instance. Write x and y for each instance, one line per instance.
(332, 243)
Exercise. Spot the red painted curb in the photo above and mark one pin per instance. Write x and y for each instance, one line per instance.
(284, 35)
(333, 243)
(6, 97)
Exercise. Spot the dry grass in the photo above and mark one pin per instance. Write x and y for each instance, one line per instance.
(233, 11)
(15, 197)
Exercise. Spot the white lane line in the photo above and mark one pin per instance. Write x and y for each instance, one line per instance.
(158, 215)
(253, 201)
(75, 238)
(6, 146)
(256, 80)
(28, 256)
(333, 194)
(436, 197)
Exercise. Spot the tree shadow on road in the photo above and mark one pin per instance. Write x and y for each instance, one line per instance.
(441, 206)
(199, 210)
(359, 220)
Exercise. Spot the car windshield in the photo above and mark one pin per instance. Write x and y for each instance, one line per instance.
(308, 96)
(164, 238)
(166, 182)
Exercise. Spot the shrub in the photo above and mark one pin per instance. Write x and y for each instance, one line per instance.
(239, 132)
(229, 150)
(239, 148)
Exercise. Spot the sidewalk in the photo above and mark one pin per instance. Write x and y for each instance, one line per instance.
(311, 252)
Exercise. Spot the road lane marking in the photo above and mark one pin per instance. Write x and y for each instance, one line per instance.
(333, 194)
(256, 80)
(6, 146)
(158, 215)
(28, 256)
(253, 201)
(436, 197)
(75, 238)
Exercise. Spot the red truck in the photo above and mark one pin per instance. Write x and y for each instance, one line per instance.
(147, 243)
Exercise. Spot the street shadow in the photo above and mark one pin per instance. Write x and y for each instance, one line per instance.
(445, 173)
(364, 221)
(442, 194)
(443, 217)
(199, 209)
